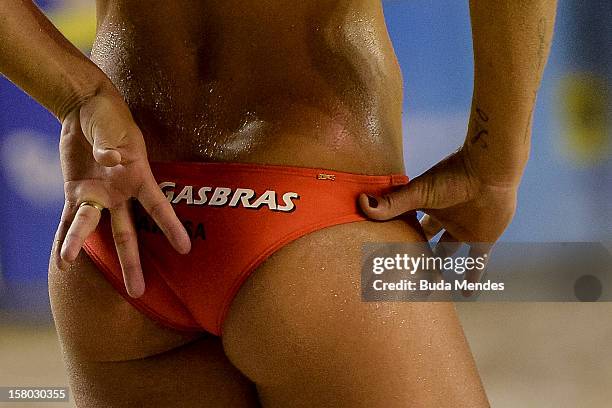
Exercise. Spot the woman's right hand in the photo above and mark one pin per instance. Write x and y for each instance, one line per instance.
(104, 160)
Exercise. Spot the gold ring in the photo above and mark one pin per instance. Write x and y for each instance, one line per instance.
(92, 204)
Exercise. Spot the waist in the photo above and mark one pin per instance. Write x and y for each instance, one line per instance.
(214, 170)
(192, 185)
(302, 137)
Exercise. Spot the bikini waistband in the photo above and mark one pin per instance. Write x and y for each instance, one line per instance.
(193, 168)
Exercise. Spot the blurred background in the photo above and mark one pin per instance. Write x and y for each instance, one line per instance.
(529, 355)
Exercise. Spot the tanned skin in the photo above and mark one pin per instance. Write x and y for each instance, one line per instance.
(312, 84)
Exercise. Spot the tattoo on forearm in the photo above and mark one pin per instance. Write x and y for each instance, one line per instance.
(480, 131)
(482, 115)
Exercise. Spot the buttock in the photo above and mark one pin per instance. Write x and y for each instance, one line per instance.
(299, 322)
(237, 215)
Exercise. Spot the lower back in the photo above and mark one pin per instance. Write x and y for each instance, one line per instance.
(313, 85)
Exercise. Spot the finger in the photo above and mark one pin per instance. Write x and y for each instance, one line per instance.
(479, 252)
(104, 149)
(85, 221)
(157, 205)
(105, 136)
(430, 226)
(415, 195)
(447, 245)
(124, 235)
(96, 136)
(66, 219)
(106, 156)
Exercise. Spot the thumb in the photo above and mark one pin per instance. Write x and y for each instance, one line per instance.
(415, 195)
(105, 128)
(104, 154)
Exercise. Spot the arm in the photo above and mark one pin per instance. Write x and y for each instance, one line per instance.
(38, 59)
(102, 151)
(471, 194)
(512, 40)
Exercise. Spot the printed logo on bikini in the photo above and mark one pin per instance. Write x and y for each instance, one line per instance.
(224, 196)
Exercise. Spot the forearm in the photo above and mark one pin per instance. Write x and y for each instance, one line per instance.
(38, 59)
(511, 45)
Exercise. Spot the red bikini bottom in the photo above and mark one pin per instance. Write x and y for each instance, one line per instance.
(237, 215)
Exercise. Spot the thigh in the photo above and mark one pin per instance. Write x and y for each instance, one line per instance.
(117, 357)
(299, 330)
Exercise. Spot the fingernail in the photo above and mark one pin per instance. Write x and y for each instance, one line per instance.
(372, 201)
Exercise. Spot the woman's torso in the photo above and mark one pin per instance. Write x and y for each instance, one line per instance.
(313, 84)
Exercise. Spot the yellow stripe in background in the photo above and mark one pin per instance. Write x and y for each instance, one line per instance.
(77, 23)
(585, 127)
